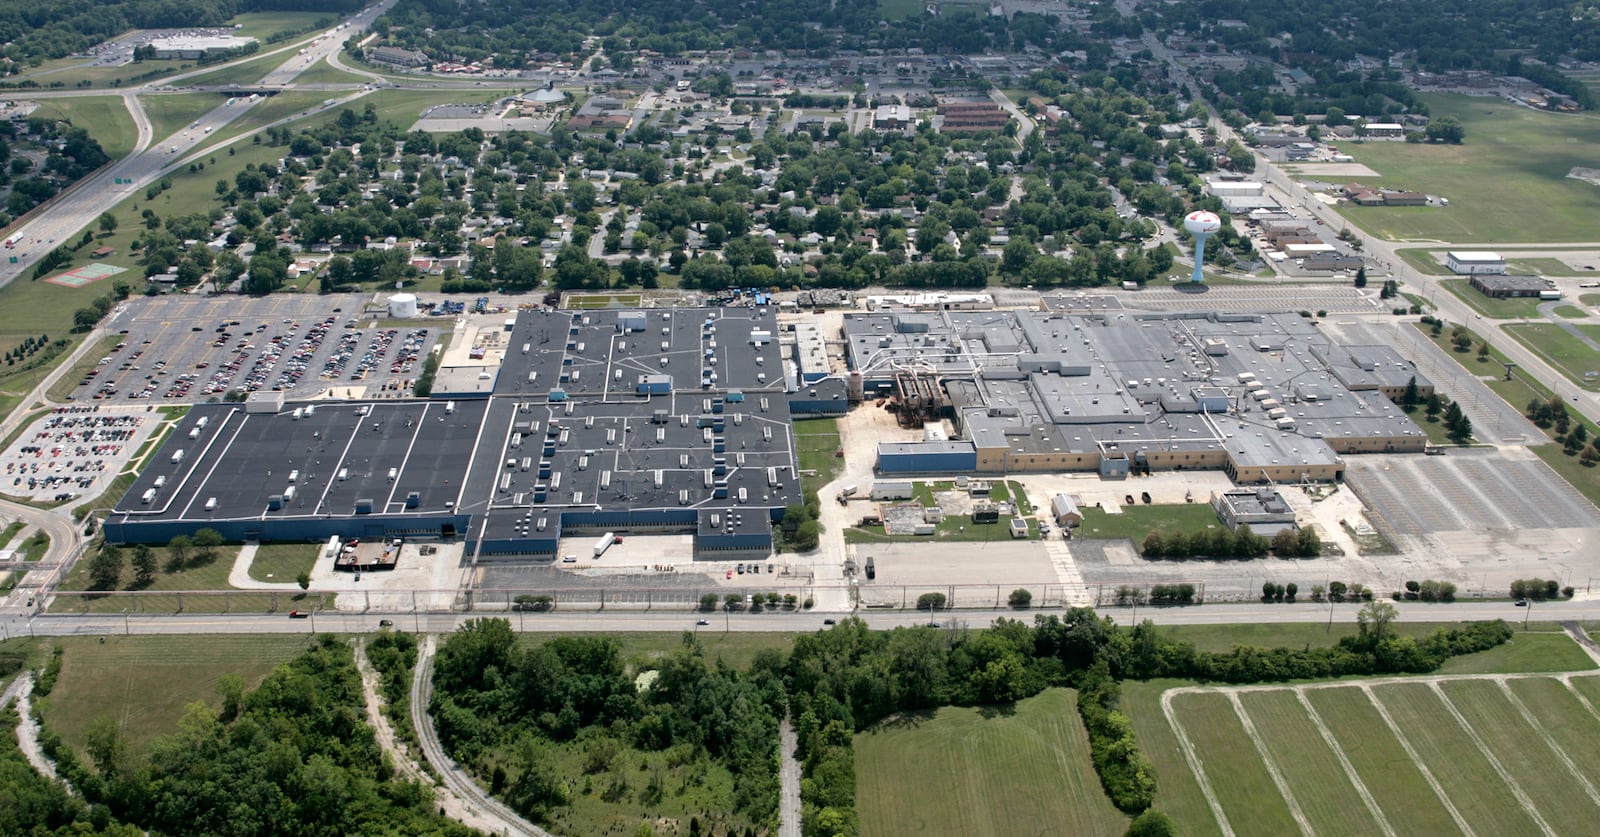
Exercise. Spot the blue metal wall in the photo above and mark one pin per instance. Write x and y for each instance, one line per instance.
(955, 462)
(119, 530)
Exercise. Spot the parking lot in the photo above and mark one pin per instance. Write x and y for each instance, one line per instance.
(74, 452)
(1467, 490)
(187, 350)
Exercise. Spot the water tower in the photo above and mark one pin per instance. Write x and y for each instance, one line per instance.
(1202, 225)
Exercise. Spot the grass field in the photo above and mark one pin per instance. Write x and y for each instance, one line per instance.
(1416, 757)
(981, 772)
(243, 72)
(324, 73)
(266, 24)
(1543, 267)
(144, 683)
(1507, 182)
(106, 118)
(1560, 349)
(816, 441)
(283, 562)
(1137, 521)
(1571, 312)
(171, 113)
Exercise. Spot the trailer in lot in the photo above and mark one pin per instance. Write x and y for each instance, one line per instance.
(605, 542)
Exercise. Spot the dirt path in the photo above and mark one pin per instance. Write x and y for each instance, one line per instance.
(452, 805)
(789, 782)
(505, 820)
(28, 727)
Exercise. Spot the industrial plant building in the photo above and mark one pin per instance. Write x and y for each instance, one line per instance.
(663, 421)
(1264, 397)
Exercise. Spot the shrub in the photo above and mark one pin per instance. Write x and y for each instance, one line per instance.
(931, 601)
(1020, 599)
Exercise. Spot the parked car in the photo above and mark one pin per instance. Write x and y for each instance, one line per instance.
(385, 623)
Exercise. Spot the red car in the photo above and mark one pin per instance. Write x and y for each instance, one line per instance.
(299, 614)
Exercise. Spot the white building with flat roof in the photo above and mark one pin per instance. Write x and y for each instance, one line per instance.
(190, 48)
(1466, 263)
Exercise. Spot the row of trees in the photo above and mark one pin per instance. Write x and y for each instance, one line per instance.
(183, 552)
(1240, 543)
(1539, 589)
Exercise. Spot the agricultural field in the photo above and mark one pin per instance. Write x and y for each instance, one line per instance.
(1447, 754)
(1506, 183)
(982, 772)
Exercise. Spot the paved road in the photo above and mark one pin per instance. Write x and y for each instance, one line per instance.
(505, 820)
(68, 213)
(1580, 609)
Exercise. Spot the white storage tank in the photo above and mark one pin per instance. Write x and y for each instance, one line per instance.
(403, 306)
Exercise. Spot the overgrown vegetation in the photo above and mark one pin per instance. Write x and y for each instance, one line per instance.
(564, 734)
(292, 757)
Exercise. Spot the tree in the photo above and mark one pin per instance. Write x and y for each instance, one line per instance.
(1446, 128)
(1411, 395)
(1309, 542)
(708, 602)
(931, 601)
(304, 580)
(1483, 350)
(107, 223)
(807, 536)
(230, 687)
(206, 542)
(1020, 599)
(1151, 823)
(178, 550)
(1361, 276)
(1373, 621)
(144, 565)
(105, 571)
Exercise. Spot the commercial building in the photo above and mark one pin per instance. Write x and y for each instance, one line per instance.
(190, 48)
(626, 421)
(1500, 286)
(398, 57)
(1264, 397)
(1466, 263)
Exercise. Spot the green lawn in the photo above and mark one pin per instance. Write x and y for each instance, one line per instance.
(1424, 260)
(248, 71)
(172, 112)
(1543, 267)
(106, 118)
(1137, 521)
(1561, 350)
(1571, 312)
(1547, 649)
(1589, 299)
(283, 562)
(144, 683)
(1506, 183)
(1019, 770)
(263, 113)
(266, 24)
(1497, 309)
(591, 301)
(816, 441)
(324, 73)
(1177, 791)
(1523, 750)
(195, 575)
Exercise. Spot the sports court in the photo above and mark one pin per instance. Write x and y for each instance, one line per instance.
(86, 275)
